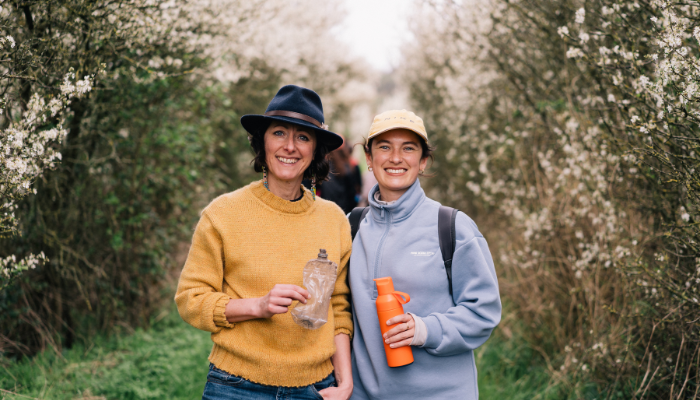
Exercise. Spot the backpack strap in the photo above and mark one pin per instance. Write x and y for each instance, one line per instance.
(356, 216)
(448, 238)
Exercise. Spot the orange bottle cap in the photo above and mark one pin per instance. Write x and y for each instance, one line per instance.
(389, 298)
(384, 285)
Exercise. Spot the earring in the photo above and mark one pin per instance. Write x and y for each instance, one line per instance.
(265, 179)
(313, 186)
(421, 171)
(370, 169)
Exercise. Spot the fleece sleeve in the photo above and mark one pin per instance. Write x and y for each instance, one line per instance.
(339, 299)
(477, 310)
(200, 300)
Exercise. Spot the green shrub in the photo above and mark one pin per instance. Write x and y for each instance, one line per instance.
(570, 132)
(101, 215)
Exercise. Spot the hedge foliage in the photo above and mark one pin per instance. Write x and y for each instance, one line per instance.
(570, 130)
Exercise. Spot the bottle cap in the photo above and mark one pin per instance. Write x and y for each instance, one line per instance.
(323, 254)
(384, 285)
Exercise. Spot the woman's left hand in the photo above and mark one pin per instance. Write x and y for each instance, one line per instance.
(402, 334)
(339, 393)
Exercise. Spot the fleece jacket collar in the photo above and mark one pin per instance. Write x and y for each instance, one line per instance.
(401, 208)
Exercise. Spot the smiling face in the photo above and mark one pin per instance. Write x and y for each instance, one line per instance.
(289, 150)
(395, 158)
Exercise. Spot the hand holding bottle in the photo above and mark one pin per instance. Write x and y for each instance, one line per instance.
(390, 312)
(402, 333)
(277, 300)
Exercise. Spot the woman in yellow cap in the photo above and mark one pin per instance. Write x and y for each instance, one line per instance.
(449, 313)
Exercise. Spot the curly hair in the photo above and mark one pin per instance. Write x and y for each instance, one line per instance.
(319, 165)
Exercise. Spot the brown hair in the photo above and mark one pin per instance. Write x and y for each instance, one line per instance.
(319, 165)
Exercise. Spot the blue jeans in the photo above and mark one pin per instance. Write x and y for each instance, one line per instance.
(224, 386)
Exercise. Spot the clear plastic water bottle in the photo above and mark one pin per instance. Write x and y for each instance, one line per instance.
(319, 279)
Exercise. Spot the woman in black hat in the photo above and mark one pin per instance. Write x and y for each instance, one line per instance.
(244, 271)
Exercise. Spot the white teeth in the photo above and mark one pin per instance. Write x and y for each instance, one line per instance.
(395, 171)
(287, 160)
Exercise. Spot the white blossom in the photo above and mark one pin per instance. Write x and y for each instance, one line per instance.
(574, 52)
(685, 216)
(7, 40)
(563, 31)
(584, 37)
(11, 267)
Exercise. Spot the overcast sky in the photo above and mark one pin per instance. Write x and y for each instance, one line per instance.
(375, 30)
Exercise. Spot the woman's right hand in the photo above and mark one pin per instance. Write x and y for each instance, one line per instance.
(278, 300)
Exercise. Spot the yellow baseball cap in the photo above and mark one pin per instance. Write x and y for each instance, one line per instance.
(397, 119)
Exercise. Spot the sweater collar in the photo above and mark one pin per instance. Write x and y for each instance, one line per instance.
(401, 208)
(279, 204)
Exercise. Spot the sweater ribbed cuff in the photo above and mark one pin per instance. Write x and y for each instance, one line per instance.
(434, 332)
(343, 324)
(346, 331)
(219, 313)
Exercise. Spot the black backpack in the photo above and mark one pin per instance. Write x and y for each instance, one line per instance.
(446, 232)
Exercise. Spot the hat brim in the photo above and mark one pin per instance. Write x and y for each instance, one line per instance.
(409, 128)
(254, 124)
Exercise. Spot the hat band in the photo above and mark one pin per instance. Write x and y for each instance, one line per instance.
(292, 114)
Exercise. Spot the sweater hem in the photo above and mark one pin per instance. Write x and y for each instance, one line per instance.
(282, 373)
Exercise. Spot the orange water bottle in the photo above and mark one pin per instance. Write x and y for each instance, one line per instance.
(389, 304)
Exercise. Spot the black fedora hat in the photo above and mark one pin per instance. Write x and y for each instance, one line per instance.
(296, 105)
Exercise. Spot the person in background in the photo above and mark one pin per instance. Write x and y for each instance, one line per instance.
(398, 238)
(357, 175)
(343, 184)
(245, 267)
(368, 182)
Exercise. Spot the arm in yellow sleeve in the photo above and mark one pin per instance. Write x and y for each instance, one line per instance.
(339, 300)
(200, 300)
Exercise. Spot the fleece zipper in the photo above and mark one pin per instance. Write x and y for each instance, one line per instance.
(379, 252)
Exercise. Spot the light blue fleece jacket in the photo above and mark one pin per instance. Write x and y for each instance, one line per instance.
(401, 241)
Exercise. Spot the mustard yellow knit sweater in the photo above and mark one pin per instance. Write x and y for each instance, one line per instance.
(246, 242)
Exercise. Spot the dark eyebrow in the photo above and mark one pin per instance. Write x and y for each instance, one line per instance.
(404, 143)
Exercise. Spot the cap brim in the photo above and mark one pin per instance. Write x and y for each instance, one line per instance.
(254, 124)
(420, 134)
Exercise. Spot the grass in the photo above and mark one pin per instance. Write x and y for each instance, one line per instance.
(168, 361)
(510, 369)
